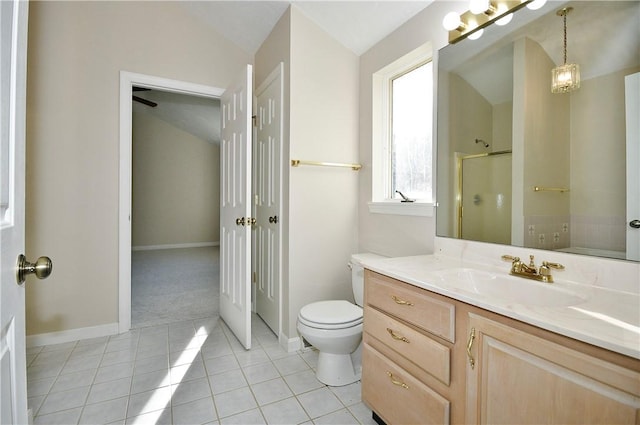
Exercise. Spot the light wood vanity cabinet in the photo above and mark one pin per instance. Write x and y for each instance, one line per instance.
(525, 379)
(419, 347)
(412, 360)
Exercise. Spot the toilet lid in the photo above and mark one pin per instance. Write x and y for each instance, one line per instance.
(331, 314)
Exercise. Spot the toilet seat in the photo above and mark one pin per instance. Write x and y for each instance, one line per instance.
(335, 314)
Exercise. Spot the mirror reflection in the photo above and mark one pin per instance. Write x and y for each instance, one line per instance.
(520, 165)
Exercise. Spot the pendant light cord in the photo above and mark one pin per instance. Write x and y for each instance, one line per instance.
(564, 18)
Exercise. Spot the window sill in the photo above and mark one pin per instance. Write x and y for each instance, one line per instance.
(422, 209)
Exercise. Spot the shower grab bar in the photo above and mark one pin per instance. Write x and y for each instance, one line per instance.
(297, 162)
(549, 189)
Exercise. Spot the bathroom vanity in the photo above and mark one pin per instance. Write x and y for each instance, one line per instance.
(439, 350)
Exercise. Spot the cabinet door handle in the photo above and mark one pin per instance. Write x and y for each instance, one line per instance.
(472, 336)
(401, 301)
(396, 336)
(396, 382)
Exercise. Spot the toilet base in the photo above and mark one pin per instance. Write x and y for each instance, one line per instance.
(337, 370)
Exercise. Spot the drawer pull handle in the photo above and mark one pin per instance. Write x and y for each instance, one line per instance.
(396, 336)
(396, 382)
(401, 301)
(472, 336)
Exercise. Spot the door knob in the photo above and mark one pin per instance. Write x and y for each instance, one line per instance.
(240, 221)
(273, 219)
(41, 268)
(635, 224)
(251, 221)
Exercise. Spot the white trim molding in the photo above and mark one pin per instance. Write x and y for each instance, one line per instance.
(422, 209)
(174, 246)
(127, 81)
(70, 335)
(290, 345)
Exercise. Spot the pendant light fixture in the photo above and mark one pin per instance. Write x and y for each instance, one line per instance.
(565, 78)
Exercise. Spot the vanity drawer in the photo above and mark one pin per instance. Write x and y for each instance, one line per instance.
(429, 355)
(398, 397)
(410, 304)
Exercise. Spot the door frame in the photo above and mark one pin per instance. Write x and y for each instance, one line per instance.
(127, 81)
(276, 74)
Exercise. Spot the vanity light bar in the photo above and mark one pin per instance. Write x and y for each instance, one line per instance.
(470, 23)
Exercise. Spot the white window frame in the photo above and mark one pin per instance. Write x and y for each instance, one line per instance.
(383, 202)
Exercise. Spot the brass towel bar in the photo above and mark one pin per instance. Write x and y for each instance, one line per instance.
(549, 189)
(297, 162)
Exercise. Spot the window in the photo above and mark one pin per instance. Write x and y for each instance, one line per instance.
(402, 135)
(411, 116)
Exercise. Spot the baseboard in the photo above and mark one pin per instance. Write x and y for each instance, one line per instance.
(174, 246)
(290, 345)
(72, 335)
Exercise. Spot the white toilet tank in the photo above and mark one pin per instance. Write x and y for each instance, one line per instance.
(357, 275)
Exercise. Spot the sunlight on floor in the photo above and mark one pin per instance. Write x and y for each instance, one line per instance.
(163, 398)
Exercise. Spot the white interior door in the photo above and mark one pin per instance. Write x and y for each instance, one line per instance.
(632, 106)
(13, 378)
(235, 208)
(268, 148)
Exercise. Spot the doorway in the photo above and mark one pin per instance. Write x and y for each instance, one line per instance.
(127, 82)
(175, 221)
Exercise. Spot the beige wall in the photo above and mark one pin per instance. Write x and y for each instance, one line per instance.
(502, 127)
(176, 185)
(323, 202)
(470, 118)
(395, 235)
(320, 204)
(546, 135)
(76, 51)
(598, 142)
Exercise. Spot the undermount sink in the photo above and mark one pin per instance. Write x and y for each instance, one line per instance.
(509, 288)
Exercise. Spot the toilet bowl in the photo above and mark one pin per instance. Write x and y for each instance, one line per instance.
(334, 328)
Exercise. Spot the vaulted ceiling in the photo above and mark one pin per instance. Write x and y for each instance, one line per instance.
(357, 25)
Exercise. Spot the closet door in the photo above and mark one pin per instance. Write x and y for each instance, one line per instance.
(268, 187)
(235, 208)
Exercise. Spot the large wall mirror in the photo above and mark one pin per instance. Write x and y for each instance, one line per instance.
(520, 165)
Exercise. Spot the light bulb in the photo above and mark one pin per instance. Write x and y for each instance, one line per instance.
(452, 21)
(476, 35)
(505, 19)
(536, 4)
(479, 6)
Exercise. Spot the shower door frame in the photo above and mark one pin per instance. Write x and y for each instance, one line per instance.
(460, 157)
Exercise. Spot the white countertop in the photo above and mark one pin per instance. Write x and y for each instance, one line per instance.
(606, 318)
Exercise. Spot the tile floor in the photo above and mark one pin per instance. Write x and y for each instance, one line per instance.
(189, 372)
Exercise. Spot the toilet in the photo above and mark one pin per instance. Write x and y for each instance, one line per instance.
(334, 328)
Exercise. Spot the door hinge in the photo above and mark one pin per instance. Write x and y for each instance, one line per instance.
(254, 277)
(254, 120)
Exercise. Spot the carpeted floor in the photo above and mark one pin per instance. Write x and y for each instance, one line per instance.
(172, 285)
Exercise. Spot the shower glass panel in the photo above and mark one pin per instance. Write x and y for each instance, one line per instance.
(486, 198)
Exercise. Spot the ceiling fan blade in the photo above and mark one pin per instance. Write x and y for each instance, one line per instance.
(145, 101)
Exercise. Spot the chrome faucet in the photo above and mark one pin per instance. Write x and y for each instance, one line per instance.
(530, 271)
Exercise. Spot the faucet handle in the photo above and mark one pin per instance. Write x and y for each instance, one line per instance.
(557, 266)
(510, 258)
(545, 270)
